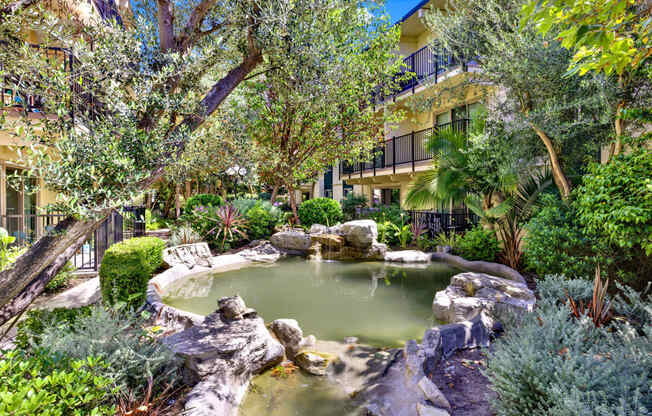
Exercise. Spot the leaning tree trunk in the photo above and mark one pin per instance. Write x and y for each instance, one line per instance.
(27, 278)
(274, 194)
(293, 203)
(557, 171)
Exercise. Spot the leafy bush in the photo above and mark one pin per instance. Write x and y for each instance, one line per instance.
(5, 251)
(153, 222)
(244, 205)
(43, 383)
(351, 203)
(29, 330)
(183, 234)
(324, 211)
(478, 244)
(61, 279)
(127, 267)
(202, 200)
(553, 364)
(615, 200)
(555, 242)
(119, 339)
(260, 222)
(391, 213)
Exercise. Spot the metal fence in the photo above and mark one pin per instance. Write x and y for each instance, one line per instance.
(120, 225)
(434, 222)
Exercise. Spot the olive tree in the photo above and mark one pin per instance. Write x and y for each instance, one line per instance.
(135, 96)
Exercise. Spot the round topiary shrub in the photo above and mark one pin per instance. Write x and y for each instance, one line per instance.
(324, 211)
(478, 244)
(127, 267)
(202, 200)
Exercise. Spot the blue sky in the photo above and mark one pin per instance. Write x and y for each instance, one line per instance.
(397, 8)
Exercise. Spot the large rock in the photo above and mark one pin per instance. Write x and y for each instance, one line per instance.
(290, 335)
(262, 252)
(315, 363)
(221, 355)
(190, 255)
(407, 256)
(471, 293)
(291, 240)
(361, 234)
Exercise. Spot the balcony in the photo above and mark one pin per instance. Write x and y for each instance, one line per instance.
(402, 150)
(420, 66)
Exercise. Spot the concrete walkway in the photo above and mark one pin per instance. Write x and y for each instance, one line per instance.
(84, 294)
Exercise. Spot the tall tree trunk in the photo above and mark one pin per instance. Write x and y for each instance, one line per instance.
(557, 171)
(274, 194)
(293, 203)
(43, 261)
(177, 201)
(618, 126)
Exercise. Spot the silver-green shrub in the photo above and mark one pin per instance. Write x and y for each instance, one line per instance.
(118, 338)
(553, 364)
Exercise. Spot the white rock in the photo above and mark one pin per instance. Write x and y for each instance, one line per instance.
(425, 410)
(291, 240)
(360, 234)
(407, 256)
(431, 392)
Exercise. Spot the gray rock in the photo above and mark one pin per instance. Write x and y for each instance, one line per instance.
(425, 410)
(291, 240)
(318, 229)
(458, 336)
(471, 293)
(190, 255)
(233, 307)
(221, 355)
(289, 334)
(431, 392)
(444, 249)
(361, 234)
(407, 256)
(261, 251)
(313, 362)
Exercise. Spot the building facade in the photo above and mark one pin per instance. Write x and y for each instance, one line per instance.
(403, 154)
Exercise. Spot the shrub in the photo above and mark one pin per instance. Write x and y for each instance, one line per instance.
(260, 222)
(244, 205)
(351, 203)
(61, 279)
(43, 383)
(119, 338)
(184, 234)
(127, 267)
(555, 242)
(29, 330)
(553, 364)
(478, 244)
(202, 200)
(324, 211)
(153, 221)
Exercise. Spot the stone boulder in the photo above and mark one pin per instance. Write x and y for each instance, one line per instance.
(261, 251)
(291, 240)
(361, 234)
(318, 229)
(221, 355)
(471, 293)
(407, 256)
(315, 363)
(290, 336)
(190, 255)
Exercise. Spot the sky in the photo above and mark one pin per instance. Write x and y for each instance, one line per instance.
(398, 8)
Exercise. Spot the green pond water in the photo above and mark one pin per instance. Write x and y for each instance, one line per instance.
(382, 305)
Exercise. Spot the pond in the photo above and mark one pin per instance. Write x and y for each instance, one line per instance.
(380, 304)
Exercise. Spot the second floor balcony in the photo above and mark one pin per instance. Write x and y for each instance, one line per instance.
(400, 151)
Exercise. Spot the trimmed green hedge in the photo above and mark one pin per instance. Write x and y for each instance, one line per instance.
(202, 199)
(323, 211)
(127, 267)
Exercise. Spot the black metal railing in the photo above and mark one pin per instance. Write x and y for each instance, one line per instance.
(401, 150)
(120, 225)
(434, 222)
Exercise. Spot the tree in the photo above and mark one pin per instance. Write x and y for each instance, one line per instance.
(313, 106)
(608, 36)
(563, 118)
(133, 99)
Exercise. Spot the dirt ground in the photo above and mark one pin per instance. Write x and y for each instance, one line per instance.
(463, 384)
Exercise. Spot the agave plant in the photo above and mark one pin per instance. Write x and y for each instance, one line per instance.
(229, 224)
(599, 308)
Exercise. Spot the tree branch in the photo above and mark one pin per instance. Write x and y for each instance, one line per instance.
(166, 25)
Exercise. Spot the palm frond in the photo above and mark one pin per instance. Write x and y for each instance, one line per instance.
(423, 192)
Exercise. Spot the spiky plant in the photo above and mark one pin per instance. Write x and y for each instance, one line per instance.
(229, 224)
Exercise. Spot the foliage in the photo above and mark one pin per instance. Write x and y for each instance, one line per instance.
(119, 338)
(261, 221)
(205, 200)
(555, 242)
(351, 203)
(29, 330)
(450, 239)
(312, 107)
(127, 267)
(598, 310)
(323, 211)
(609, 36)
(417, 229)
(183, 234)
(554, 364)
(384, 232)
(153, 222)
(615, 201)
(230, 224)
(478, 244)
(61, 279)
(402, 233)
(386, 218)
(41, 383)
(5, 251)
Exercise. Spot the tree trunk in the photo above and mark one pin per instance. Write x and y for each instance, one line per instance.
(177, 201)
(557, 171)
(494, 269)
(293, 203)
(43, 261)
(274, 194)
(618, 126)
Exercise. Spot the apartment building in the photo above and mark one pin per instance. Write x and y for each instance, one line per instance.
(403, 154)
